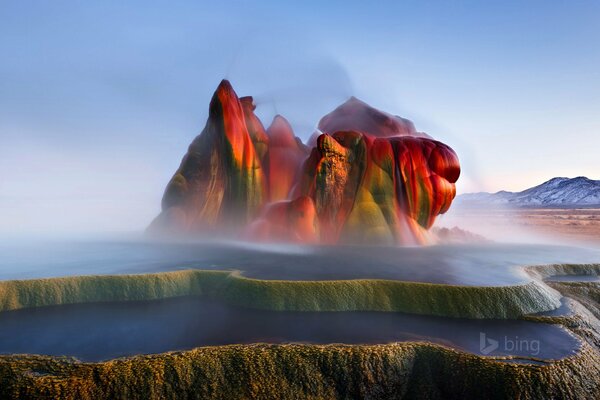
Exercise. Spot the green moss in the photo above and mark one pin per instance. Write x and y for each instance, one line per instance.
(341, 295)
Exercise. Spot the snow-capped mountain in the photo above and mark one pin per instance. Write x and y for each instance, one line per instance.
(563, 192)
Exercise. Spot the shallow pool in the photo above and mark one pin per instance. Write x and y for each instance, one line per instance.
(100, 331)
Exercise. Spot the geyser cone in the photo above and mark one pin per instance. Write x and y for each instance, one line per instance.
(378, 190)
(284, 158)
(356, 115)
(256, 130)
(292, 221)
(369, 178)
(427, 171)
(220, 182)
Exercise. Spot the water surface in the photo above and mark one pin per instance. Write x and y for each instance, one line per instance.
(100, 331)
(493, 264)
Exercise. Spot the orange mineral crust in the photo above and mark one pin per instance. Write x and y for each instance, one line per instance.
(382, 190)
(256, 130)
(284, 158)
(220, 183)
(367, 177)
(292, 221)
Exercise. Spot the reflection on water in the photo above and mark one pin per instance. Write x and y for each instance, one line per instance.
(102, 331)
(494, 264)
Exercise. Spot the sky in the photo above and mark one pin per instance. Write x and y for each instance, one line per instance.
(99, 100)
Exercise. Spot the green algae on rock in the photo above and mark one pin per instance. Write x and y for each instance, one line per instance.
(340, 295)
(261, 371)
(392, 371)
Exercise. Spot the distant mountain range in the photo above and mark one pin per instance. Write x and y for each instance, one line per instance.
(557, 192)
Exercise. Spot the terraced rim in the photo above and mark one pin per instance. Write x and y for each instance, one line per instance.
(312, 371)
(278, 295)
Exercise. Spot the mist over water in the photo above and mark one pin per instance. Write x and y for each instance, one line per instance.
(483, 264)
(94, 332)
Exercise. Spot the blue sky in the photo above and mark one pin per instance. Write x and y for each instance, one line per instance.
(99, 100)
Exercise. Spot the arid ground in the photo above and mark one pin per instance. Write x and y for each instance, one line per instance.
(582, 223)
(568, 225)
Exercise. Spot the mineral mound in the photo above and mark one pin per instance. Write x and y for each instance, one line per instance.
(368, 177)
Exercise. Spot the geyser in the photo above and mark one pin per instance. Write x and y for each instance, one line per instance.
(368, 177)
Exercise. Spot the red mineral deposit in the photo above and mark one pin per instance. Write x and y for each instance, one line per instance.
(367, 177)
